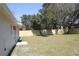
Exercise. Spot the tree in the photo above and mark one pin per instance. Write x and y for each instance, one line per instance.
(52, 15)
(72, 17)
(26, 20)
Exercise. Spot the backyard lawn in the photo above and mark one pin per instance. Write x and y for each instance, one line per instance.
(54, 45)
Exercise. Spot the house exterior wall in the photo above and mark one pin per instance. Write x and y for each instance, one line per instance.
(8, 36)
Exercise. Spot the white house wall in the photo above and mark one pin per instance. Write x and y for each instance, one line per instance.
(7, 40)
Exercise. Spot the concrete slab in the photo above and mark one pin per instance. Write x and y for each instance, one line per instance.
(22, 43)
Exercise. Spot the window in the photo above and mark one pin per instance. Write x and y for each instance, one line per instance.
(14, 27)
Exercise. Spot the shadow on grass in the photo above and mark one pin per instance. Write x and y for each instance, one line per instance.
(11, 50)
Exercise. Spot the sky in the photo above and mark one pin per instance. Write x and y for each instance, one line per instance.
(18, 9)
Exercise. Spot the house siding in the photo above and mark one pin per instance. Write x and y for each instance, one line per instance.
(8, 36)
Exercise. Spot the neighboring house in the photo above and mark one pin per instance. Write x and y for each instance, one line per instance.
(75, 27)
(21, 26)
(76, 23)
(9, 33)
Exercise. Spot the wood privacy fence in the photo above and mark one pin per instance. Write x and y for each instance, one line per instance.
(46, 32)
(37, 32)
(74, 31)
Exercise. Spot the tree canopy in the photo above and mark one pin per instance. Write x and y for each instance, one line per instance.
(52, 15)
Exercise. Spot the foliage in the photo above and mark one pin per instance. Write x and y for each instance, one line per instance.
(25, 19)
(52, 15)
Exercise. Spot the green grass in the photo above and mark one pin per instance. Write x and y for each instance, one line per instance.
(54, 45)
